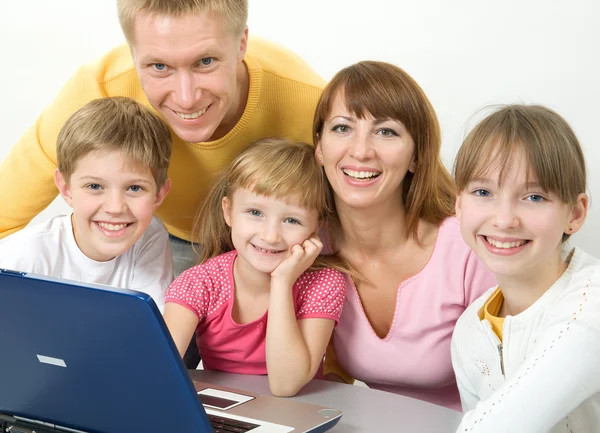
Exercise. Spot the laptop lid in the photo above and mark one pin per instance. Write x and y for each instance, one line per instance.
(91, 358)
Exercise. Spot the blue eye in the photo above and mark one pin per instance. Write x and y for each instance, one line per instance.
(254, 212)
(536, 198)
(159, 66)
(206, 61)
(291, 221)
(481, 193)
(93, 186)
(135, 188)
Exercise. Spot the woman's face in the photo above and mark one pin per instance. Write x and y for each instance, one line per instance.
(365, 160)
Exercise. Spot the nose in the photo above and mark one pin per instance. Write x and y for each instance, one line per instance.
(115, 203)
(362, 148)
(185, 90)
(505, 215)
(271, 233)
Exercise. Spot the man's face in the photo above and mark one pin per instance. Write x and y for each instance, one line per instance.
(191, 69)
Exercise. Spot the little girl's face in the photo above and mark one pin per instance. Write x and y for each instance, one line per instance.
(514, 226)
(264, 229)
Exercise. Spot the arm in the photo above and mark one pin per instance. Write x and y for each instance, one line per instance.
(294, 347)
(332, 370)
(559, 373)
(153, 270)
(186, 305)
(27, 172)
(182, 323)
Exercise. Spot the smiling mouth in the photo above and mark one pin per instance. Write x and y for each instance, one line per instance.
(113, 227)
(191, 116)
(266, 251)
(505, 245)
(361, 175)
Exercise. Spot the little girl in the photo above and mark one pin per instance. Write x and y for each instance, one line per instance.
(260, 251)
(527, 353)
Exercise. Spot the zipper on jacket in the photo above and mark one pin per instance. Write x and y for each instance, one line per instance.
(501, 358)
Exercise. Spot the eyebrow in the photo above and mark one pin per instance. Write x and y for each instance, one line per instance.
(132, 181)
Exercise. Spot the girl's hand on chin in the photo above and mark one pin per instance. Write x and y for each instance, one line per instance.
(299, 260)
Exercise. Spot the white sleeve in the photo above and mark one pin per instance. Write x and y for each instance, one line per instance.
(559, 373)
(153, 269)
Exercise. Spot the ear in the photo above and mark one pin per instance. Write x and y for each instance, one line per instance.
(412, 166)
(319, 154)
(578, 214)
(162, 193)
(243, 45)
(226, 206)
(457, 205)
(63, 187)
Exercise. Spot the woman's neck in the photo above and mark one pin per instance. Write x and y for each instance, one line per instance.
(372, 230)
(522, 291)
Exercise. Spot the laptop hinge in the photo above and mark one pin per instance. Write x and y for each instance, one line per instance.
(19, 424)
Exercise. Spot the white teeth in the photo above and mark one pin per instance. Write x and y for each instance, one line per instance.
(498, 244)
(262, 250)
(361, 174)
(192, 115)
(112, 227)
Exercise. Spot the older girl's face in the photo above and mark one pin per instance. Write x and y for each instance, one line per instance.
(365, 160)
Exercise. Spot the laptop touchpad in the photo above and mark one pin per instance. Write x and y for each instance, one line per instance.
(222, 400)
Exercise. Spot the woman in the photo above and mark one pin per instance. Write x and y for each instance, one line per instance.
(378, 139)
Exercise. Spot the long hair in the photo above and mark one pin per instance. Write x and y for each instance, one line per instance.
(274, 168)
(387, 92)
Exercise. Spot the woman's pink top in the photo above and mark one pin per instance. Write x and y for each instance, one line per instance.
(414, 358)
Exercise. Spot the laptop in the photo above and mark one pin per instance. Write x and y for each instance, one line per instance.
(85, 358)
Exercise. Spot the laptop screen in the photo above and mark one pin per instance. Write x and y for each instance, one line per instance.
(86, 355)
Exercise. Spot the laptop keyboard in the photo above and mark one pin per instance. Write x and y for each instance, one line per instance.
(226, 425)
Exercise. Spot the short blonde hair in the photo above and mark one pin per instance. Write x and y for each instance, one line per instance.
(553, 155)
(233, 12)
(385, 91)
(115, 124)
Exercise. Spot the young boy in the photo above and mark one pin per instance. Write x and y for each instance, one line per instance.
(113, 155)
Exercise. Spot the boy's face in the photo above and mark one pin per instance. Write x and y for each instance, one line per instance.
(112, 202)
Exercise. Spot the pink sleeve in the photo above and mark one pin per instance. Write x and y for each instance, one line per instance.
(321, 295)
(190, 290)
(478, 278)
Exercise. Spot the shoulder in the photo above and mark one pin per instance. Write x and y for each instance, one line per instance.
(214, 274)
(283, 64)
(324, 278)
(451, 251)
(578, 287)
(52, 229)
(470, 318)
(115, 73)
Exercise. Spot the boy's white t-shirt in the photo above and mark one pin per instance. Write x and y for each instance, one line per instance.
(49, 248)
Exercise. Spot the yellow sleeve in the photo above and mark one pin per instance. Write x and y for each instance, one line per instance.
(27, 172)
(331, 364)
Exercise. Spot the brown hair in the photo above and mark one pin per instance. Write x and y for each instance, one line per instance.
(387, 92)
(233, 12)
(271, 167)
(115, 124)
(552, 153)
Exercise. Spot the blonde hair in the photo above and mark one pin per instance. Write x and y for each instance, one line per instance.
(233, 12)
(387, 92)
(271, 167)
(115, 124)
(553, 155)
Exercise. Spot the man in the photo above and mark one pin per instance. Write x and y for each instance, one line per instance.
(218, 90)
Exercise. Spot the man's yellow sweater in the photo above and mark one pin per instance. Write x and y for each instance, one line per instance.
(282, 97)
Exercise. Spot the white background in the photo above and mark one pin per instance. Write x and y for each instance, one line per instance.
(466, 54)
